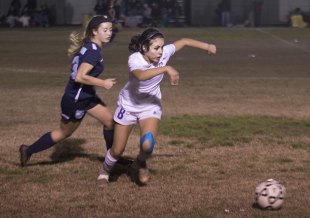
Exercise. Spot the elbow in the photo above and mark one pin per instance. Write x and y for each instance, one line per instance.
(185, 41)
(140, 78)
(139, 75)
(78, 79)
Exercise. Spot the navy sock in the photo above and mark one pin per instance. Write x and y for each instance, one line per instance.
(41, 144)
(108, 137)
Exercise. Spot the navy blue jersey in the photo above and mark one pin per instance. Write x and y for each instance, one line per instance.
(89, 53)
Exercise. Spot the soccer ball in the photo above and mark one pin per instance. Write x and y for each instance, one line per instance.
(270, 194)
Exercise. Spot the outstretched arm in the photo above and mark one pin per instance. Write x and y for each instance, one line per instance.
(179, 44)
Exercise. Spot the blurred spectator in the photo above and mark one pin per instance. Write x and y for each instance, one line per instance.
(164, 17)
(147, 16)
(101, 7)
(111, 8)
(28, 13)
(145, 13)
(111, 11)
(305, 15)
(41, 17)
(120, 11)
(13, 14)
(224, 9)
(24, 19)
(297, 18)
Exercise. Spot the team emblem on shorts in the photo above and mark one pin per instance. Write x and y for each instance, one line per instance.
(79, 114)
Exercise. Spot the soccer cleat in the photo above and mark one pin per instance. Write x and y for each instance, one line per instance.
(103, 177)
(24, 157)
(144, 175)
(143, 172)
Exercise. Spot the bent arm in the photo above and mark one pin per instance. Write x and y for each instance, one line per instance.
(181, 43)
(150, 73)
(83, 77)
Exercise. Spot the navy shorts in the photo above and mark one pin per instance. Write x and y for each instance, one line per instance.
(75, 111)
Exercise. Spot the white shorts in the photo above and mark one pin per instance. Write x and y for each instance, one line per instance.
(124, 117)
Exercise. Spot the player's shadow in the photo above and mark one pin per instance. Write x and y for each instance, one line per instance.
(122, 166)
(255, 206)
(126, 165)
(68, 150)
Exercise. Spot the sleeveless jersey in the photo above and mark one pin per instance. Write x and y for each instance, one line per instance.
(142, 95)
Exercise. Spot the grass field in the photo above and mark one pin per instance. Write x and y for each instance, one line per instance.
(236, 119)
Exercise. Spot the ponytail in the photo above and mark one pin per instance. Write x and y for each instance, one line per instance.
(138, 41)
(77, 41)
(134, 45)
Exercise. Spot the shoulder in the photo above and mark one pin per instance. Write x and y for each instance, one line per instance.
(136, 61)
(90, 46)
(137, 56)
(169, 47)
(169, 50)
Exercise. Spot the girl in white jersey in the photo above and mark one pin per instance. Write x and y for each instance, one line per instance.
(139, 101)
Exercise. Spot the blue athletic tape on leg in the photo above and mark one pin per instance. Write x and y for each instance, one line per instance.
(148, 136)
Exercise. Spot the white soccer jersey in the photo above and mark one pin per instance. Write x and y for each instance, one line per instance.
(137, 96)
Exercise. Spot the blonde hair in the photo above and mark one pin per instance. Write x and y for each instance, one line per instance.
(77, 41)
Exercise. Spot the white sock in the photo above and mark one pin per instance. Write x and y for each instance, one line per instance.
(109, 162)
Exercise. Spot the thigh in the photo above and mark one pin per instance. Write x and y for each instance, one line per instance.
(149, 125)
(103, 114)
(65, 130)
(121, 135)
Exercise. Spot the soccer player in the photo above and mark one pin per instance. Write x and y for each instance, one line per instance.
(139, 102)
(80, 94)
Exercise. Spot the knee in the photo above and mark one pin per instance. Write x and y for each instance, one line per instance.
(66, 132)
(147, 142)
(59, 135)
(116, 153)
(109, 125)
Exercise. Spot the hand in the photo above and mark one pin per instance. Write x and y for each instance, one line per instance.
(211, 49)
(108, 83)
(174, 76)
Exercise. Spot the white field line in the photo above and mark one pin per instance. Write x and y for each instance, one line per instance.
(284, 41)
(29, 70)
(24, 70)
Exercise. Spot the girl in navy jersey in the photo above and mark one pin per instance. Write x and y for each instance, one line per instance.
(80, 94)
(139, 102)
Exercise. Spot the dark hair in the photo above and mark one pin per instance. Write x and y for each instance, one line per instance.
(138, 41)
(94, 23)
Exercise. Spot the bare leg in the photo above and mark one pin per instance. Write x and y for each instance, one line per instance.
(105, 117)
(121, 135)
(47, 140)
(148, 133)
